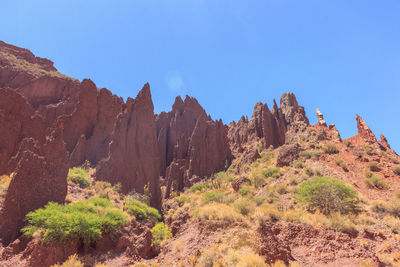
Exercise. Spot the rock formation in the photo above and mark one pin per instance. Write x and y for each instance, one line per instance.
(190, 144)
(325, 132)
(133, 158)
(39, 177)
(273, 128)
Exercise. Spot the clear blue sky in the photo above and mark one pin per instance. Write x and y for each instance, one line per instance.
(341, 56)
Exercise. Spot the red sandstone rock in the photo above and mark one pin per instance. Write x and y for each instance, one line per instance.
(133, 154)
(39, 177)
(190, 143)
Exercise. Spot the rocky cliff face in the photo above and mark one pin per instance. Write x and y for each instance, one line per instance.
(190, 144)
(36, 156)
(133, 154)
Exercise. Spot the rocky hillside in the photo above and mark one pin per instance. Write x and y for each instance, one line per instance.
(81, 168)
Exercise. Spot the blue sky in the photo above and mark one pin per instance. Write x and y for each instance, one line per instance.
(340, 56)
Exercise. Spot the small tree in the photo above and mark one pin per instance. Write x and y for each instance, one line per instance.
(328, 195)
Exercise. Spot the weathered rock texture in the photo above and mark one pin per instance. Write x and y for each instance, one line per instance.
(133, 158)
(273, 128)
(190, 144)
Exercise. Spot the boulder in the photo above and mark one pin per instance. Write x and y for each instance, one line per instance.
(287, 154)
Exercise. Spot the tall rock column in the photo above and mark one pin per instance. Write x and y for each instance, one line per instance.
(133, 158)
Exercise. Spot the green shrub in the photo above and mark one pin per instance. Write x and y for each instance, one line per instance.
(270, 172)
(243, 206)
(160, 233)
(141, 211)
(244, 191)
(373, 181)
(198, 187)
(396, 169)
(258, 200)
(257, 180)
(182, 200)
(327, 195)
(330, 149)
(298, 164)
(84, 220)
(213, 196)
(340, 162)
(79, 176)
(373, 166)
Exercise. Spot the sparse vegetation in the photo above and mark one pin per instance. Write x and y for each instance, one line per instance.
(341, 163)
(373, 166)
(330, 148)
(4, 183)
(396, 169)
(219, 212)
(373, 181)
(141, 211)
(327, 195)
(72, 261)
(84, 220)
(213, 196)
(160, 233)
(79, 176)
(244, 191)
(271, 172)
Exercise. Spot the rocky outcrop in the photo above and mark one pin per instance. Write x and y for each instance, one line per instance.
(287, 154)
(190, 144)
(364, 131)
(273, 128)
(325, 132)
(39, 177)
(133, 158)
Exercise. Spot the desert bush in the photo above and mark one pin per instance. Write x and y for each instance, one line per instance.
(373, 166)
(72, 261)
(298, 164)
(293, 181)
(271, 172)
(373, 181)
(330, 148)
(369, 150)
(160, 233)
(258, 200)
(393, 223)
(250, 260)
(243, 206)
(281, 189)
(79, 176)
(267, 213)
(327, 195)
(310, 154)
(104, 190)
(141, 211)
(309, 172)
(257, 180)
(84, 220)
(396, 169)
(340, 162)
(198, 187)
(213, 196)
(244, 191)
(219, 212)
(341, 223)
(266, 157)
(347, 143)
